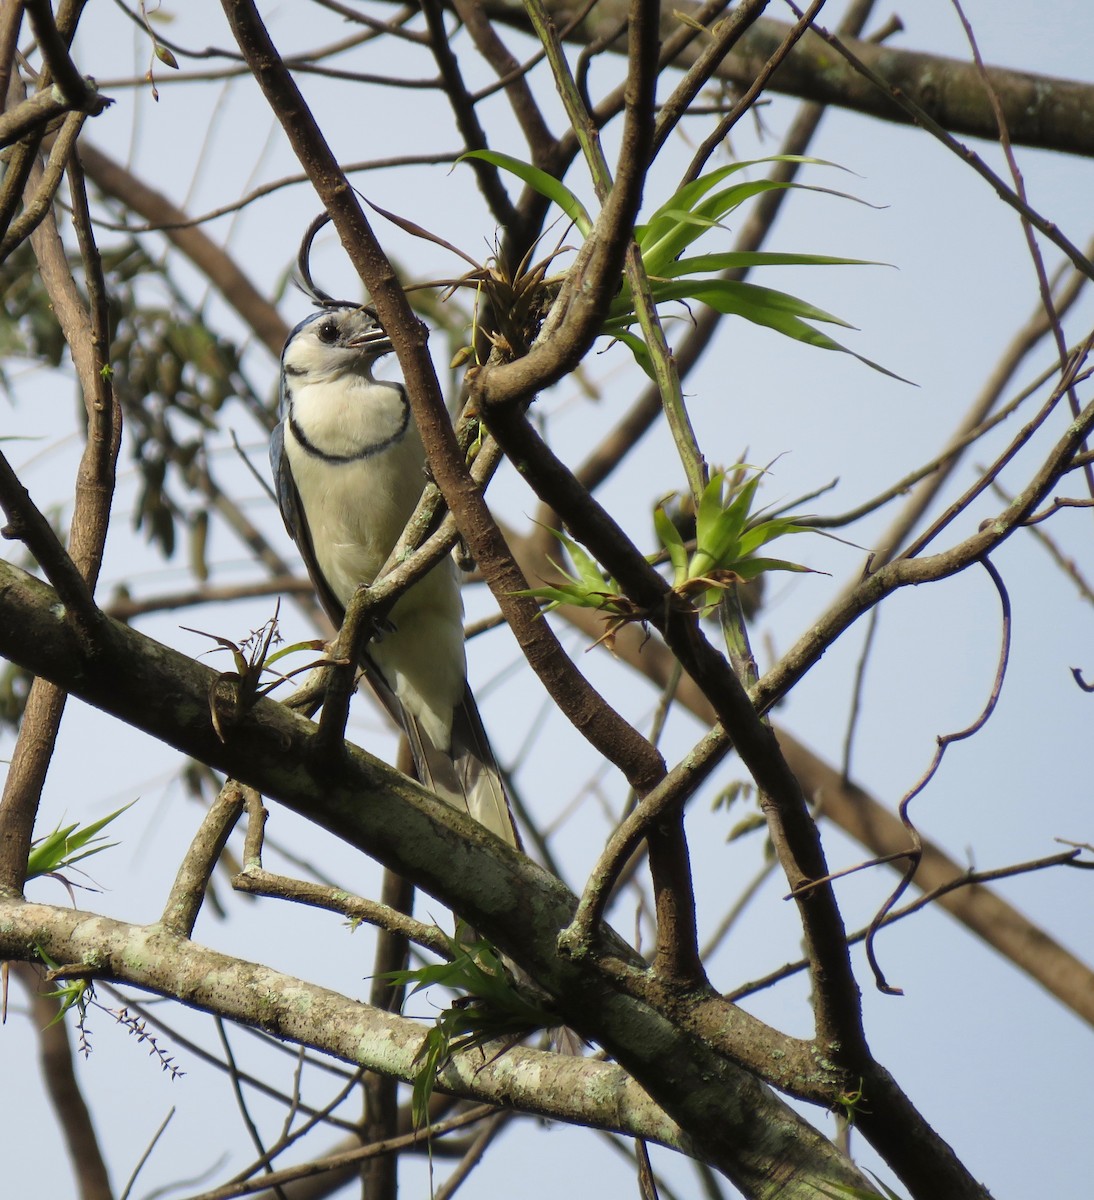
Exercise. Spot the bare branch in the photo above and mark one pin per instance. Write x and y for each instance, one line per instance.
(467, 120)
(1043, 285)
(1040, 110)
(721, 131)
(348, 1158)
(188, 892)
(355, 908)
(967, 879)
(921, 117)
(84, 332)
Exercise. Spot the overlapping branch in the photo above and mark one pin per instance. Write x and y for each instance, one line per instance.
(518, 905)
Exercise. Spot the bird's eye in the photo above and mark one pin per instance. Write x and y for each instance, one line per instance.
(328, 332)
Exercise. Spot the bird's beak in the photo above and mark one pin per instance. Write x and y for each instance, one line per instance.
(372, 339)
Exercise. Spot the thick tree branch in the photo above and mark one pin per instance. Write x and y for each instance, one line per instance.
(518, 905)
(84, 332)
(147, 956)
(1040, 111)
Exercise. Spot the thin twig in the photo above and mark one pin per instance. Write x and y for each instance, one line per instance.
(726, 34)
(920, 117)
(241, 1103)
(356, 908)
(915, 852)
(252, 1081)
(380, 1094)
(492, 1127)
(967, 879)
(744, 104)
(1063, 561)
(1043, 285)
(336, 1161)
(747, 895)
(1076, 362)
(318, 1117)
(857, 691)
(127, 1191)
(463, 110)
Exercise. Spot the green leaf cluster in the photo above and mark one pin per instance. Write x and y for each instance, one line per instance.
(72, 993)
(589, 587)
(726, 540)
(489, 1006)
(697, 209)
(68, 844)
(722, 553)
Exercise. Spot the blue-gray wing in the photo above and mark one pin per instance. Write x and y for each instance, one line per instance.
(283, 483)
(296, 522)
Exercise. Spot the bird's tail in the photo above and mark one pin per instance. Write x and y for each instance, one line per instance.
(465, 774)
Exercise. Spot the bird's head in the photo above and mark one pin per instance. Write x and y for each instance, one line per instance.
(334, 341)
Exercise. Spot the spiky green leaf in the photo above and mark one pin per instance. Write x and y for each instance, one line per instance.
(734, 260)
(547, 185)
(670, 538)
(69, 844)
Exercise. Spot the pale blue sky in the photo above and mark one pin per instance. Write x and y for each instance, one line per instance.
(999, 1069)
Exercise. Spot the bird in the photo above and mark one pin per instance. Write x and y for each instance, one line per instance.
(349, 469)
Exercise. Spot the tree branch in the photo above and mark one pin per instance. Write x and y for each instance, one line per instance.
(734, 1121)
(149, 957)
(610, 734)
(84, 332)
(1040, 110)
(859, 814)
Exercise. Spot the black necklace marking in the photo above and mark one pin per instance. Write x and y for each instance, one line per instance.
(367, 452)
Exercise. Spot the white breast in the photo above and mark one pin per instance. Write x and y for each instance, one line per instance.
(356, 512)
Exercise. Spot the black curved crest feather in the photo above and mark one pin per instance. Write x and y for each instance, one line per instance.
(307, 285)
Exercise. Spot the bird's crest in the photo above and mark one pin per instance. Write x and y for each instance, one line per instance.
(318, 297)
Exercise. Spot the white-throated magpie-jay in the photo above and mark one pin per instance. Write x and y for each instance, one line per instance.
(349, 470)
